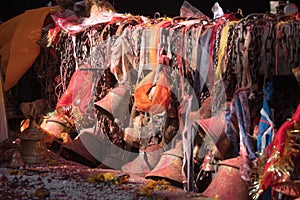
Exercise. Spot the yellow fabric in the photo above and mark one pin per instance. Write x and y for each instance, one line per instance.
(222, 50)
(18, 43)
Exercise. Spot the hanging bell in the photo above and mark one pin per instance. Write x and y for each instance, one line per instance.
(169, 166)
(208, 163)
(116, 159)
(54, 125)
(115, 104)
(33, 146)
(133, 134)
(212, 130)
(86, 149)
(138, 166)
(152, 155)
(145, 161)
(227, 183)
(206, 173)
(204, 112)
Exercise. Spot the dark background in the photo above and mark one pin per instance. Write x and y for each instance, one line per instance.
(168, 8)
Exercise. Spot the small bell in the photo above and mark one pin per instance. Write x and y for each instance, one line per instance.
(16, 160)
(208, 163)
(33, 147)
(206, 173)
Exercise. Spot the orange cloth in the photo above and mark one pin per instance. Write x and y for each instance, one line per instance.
(156, 102)
(18, 43)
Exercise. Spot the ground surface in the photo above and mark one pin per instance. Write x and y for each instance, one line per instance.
(62, 179)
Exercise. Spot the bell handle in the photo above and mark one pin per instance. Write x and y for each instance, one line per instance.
(56, 121)
(32, 122)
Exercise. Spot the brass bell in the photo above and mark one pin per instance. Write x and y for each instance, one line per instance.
(204, 112)
(169, 166)
(33, 147)
(153, 155)
(206, 173)
(54, 125)
(115, 104)
(145, 161)
(86, 149)
(116, 159)
(213, 132)
(137, 166)
(208, 163)
(227, 183)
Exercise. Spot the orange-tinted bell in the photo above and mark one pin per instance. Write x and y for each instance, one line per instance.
(228, 184)
(213, 131)
(137, 166)
(85, 149)
(145, 161)
(169, 166)
(115, 104)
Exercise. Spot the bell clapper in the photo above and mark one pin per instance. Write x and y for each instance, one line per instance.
(206, 173)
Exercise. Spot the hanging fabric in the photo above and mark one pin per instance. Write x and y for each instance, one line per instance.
(155, 102)
(266, 125)
(203, 60)
(78, 92)
(277, 161)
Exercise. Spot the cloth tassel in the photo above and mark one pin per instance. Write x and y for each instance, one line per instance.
(266, 125)
(245, 164)
(187, 151)
(239, 110)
